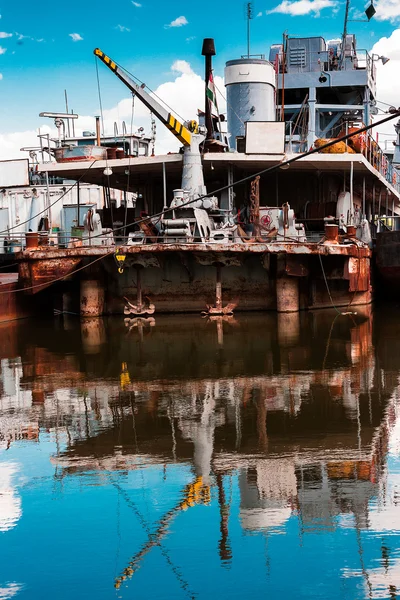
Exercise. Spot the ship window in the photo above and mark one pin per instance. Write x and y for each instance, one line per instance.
(143, 149)
(240, 144)
(135, 149)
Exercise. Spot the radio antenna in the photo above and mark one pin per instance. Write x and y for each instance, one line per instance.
(249, 16)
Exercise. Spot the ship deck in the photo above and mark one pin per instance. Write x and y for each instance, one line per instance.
(129, 172)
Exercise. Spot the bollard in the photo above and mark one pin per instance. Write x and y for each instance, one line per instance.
(351, 231)
(331, 234)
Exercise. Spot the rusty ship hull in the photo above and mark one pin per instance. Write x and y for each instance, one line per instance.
(187, 278)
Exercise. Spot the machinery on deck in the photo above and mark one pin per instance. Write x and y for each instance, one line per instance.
(192, 216)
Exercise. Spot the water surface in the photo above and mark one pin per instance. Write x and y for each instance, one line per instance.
(251, 457)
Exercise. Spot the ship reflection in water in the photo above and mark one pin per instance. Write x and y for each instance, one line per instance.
(181, 457)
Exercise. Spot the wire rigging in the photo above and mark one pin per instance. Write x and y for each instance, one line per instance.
(107, 169)
(289, 161)
(228, 186)
(150, 90)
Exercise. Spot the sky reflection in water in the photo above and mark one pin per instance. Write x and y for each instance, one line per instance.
(250, 457)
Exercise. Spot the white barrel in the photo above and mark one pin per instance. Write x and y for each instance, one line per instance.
(250, 89)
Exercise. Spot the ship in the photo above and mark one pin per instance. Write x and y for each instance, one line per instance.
(278, 212)
(388, 238)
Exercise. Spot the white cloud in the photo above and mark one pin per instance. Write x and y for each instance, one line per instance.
(4, 34)
(10, 143)
(136, 4)
(297, 8)
(10, 502)
(3, 50)
(1, 76)
(122, 28)
(190, 38)
(75, 37)
(387, 10)
(184, 93)
(259, 14)
(178, 22)
(21, 36)
(182, 66)
(387, 77)
(10, 590)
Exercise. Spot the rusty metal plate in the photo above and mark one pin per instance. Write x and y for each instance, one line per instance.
(37, 275)
(295, 266)
(212, 258)
(357, 271)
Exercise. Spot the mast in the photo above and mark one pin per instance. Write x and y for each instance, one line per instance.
(249, 16)
(346, 17)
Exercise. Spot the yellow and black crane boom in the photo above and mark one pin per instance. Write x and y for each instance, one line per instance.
(178, 129)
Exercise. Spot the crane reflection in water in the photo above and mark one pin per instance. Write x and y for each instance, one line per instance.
(212, 434)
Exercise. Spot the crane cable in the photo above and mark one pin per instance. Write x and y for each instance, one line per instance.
(129, 165)
(142, 84)
(228, 104)
(107, 169)
(262, 172)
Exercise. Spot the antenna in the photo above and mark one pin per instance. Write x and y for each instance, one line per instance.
(346, 17)
(67, 111)
(249, 17)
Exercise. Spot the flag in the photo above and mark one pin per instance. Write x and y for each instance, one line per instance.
(211, 94)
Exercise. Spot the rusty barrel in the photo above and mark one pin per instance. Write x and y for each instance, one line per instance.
(32, 239)
(331, 233)
(111, 153)
(351, 231)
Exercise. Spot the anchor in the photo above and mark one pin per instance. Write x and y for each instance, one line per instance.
(141, 308)
(218, 309)
(220, 320)
(141, 323)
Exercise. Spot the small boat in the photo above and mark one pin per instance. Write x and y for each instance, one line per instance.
(72, 153)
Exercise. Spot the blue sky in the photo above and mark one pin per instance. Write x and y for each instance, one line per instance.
(39, 58)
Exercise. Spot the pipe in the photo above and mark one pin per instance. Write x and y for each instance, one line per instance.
(379, 211)
(48, 199)
(373, 204)
(393, 221)
(78, 195)
(208, 51)
(98, 139)
(351, 186)
(363, 198)
(164, 173)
